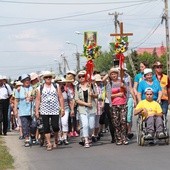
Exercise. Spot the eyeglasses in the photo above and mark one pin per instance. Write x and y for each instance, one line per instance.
(48, 77)
(158, 66)
(150, 94)
(83, 76)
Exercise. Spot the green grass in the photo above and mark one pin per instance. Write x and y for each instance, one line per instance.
(6, 160)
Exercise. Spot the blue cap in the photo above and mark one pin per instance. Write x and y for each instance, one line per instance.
(24, 76)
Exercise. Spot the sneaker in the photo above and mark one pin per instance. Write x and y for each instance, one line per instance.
(125, 142)
(37, 142)
(75, 134)
(161, 135)
(71, 134)
(21, 137)
(27, 144)
(119, 143)
(98, 137)
(33, 141)
(149, 136)
(113, 141)
(60, 142)
(65, 141)
(87, 145)
(81, 143)
(130, 136)
(94, 139)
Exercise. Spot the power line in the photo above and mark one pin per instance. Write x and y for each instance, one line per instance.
(94, 19)
(71, 16)
(147, 36)
(73, 3)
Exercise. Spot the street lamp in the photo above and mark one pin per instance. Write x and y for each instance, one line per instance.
(78, 32)
(77, 54)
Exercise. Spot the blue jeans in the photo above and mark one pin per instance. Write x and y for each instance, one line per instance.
(9, 118)
(130, 110)
(88, 124)
(164, 105)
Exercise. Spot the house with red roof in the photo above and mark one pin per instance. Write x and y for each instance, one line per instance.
(159, 50)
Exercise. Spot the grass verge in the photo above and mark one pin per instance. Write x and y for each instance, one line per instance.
(6, 160)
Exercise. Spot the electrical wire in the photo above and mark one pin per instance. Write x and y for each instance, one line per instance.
(71, 16)
(148, 36)
(74, 3)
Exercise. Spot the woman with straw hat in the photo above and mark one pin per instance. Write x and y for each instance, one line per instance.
(49, 103)
(116, 92)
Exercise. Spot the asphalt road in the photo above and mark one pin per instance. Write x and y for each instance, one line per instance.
(103, 155)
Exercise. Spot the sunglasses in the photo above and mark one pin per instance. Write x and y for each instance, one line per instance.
(158, 66)
(83, 76)
(48, 77)
(150, 94)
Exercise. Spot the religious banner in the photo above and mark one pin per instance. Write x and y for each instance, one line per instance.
(91, 51)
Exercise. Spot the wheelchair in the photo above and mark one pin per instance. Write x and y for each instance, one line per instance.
(141, 133)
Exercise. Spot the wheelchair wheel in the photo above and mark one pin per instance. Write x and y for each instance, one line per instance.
(139, 131)
(142, 141)
(167, 139)
(138, 138)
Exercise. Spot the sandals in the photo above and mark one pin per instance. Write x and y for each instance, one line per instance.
(55, 145)
(49, 147)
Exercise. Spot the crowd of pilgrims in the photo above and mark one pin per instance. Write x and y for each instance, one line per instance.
(49, 110)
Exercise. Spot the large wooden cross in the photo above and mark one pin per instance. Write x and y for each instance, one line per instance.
(121, 32)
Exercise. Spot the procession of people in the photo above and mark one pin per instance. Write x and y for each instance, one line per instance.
(72, 106)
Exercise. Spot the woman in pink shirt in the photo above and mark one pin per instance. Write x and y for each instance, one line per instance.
(116, 92)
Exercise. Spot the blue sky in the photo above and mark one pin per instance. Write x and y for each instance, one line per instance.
(25, 48)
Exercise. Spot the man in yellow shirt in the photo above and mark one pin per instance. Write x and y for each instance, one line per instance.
(151, 111)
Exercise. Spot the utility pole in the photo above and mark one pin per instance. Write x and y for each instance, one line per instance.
(116, 22)
(59, 67)
(78, 60)
(165, 17)
(64, 64)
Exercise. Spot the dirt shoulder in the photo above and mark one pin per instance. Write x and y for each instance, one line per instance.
(17, 150)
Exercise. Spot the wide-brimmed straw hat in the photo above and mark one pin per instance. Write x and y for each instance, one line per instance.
(97, 77)
(47, 73)
(18, 83)
(33, 76)
(71, 72)
(82, 72)
(158, 63)
(115, 70)
(68, 79)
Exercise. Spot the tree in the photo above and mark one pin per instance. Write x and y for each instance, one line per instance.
(104, 62)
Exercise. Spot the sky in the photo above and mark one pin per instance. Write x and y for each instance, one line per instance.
(33, 33)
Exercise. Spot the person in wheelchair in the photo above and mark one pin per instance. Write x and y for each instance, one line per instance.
(151, 113)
